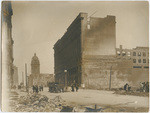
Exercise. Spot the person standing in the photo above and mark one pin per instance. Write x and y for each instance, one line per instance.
(37, 90)
(72, 88)
(144, 86)
(126, 87)
(147, 86)
(41, 87)
(76, 85)
(33, 88)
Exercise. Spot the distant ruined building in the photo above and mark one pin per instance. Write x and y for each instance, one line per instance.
(15, 76)
(139, 58)
(86, 55)
(37, 78)
(35, 65)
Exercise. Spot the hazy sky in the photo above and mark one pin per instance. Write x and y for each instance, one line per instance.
(36, 26)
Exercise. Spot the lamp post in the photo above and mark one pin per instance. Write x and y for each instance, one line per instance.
(110, 78)
(26, 78)
(65, 78)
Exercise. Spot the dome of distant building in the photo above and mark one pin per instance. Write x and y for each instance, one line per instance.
(35, 65)
(35, 59)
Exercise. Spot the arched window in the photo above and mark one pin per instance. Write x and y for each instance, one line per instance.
(144, 54)
(139, 53)
(134, 60)
(139, 60)
(128, 53)
(123, 53)
(134, 53)
(144, 60)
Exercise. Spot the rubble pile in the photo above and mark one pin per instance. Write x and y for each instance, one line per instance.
(38, 103)
(135, 93)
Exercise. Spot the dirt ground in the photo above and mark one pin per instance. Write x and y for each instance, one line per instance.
(105, 101)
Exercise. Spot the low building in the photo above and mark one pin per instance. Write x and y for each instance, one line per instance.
(139, 57)
(42, 79)
(37, 78)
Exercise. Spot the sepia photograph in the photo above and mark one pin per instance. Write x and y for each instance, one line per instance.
(74, 56)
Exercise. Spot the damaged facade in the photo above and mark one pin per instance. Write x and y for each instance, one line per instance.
(86, 55)
(37, 78)
(139, 57)
(7, 43)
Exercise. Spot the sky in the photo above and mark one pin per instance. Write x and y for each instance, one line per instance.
(36, 27)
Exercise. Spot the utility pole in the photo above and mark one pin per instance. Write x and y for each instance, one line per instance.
(23, 78)
(110, 78)
(26, 77)
(65, 78)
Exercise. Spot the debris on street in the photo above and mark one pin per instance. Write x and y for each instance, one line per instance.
(38, 103)
(134, 93)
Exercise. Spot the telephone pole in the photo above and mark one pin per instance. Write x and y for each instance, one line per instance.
(26, 77)
(110, 78)
(65, 78)
(22, 78)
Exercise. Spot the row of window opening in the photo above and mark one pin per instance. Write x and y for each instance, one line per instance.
(139, 61)
(129, 53)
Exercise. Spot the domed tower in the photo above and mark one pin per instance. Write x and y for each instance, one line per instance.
(35, 65)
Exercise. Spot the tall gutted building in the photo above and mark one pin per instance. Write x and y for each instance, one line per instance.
(7, 53)
(86, 39)
(7, 44)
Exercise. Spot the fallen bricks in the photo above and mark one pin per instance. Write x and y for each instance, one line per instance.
(41, 103)
(38, 103)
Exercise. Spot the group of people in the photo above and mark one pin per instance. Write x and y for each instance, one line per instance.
(37, 88)
(74, 87)
(127, 87)
(144, 87)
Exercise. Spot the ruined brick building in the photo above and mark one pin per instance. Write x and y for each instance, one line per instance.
(7, 53)
(7, 43)
(37, 78)
(139, 58)
(86, 54)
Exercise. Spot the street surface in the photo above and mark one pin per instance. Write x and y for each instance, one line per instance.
(100, 97)
(88, 98)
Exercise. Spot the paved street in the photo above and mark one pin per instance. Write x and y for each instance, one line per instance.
(99, 97)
